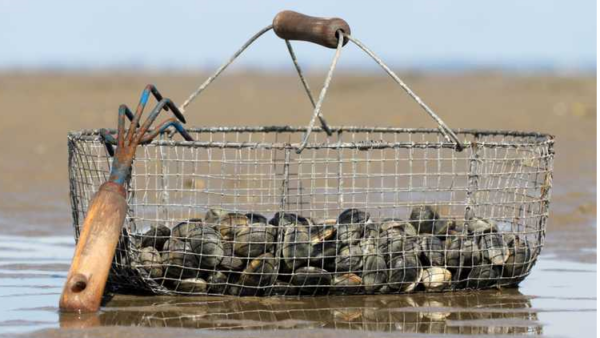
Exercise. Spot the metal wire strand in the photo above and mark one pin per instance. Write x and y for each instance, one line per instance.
(448, 133)
(222, 68)
(317, 110)
(306, 88)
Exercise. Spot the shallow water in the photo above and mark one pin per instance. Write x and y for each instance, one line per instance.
(557, 299)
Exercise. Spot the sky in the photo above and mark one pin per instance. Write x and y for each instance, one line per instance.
(421, 34)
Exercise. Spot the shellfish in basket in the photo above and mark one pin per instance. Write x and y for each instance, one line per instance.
(424, 218)
(254, 239)
(519, 261)
(261, 271)
(156, 237)
(296, 246)
(311, 280)
(436, 278)
(179, 260)
(493, 248)
(207, 243)
(182, 230)
(150, 261)
(351, 225)
(375, 270)
(347, 283)
(230, 261)
(349, 258)
(191, 285)
(405, 272)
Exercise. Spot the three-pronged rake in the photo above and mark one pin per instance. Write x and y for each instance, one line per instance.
(106, 213)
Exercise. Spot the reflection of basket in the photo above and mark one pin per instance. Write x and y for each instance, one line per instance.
(457, 313)
(501, 176)
(478, 202)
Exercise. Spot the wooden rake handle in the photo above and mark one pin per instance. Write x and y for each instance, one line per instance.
(95, 250)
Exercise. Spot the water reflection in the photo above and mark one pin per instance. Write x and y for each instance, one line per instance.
(481, 313)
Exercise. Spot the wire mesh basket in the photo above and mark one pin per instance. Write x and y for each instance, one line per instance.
(366, 211)
(324, 210)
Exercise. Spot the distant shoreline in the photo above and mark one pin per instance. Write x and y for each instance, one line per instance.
(513, 69)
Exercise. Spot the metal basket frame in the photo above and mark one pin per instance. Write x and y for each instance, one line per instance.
(501, 178)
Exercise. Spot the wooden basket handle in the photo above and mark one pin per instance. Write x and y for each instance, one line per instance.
(290, 25)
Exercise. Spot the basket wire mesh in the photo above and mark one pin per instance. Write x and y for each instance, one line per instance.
(367, 210)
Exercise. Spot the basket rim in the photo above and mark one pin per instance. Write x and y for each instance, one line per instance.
(531, 138)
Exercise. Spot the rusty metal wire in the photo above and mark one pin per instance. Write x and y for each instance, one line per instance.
(223, 182)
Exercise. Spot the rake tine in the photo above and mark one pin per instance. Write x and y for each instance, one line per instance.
(121, 128)
(161, 128)
(176, 111)
(129, 114)
(153, 115)
(157, 95)
(108, 141)
(139, 110)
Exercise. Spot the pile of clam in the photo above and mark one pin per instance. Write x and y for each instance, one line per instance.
(247, 254)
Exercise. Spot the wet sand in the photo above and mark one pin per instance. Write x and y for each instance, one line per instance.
(39, 110)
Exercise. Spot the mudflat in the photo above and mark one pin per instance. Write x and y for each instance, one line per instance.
(38, 110)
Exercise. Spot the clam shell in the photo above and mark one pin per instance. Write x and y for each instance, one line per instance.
(444, 227)
(480, 225)
(454, 246)
(320, 233)
(323, 254)
(182, 230)
(256, 218)
(405, 228)
(281, 288)
(217, 283)
(519, 261)
(432, 251)
(296, 246)
(353, 216)
(347, 283)
(372, 230)
(405, 272)
(206, 242)
(311, 280)
(156, 237)
(228, 224)
(252, 241)
(349, 259)
(493, 248)
(151, 262)
(285, 219)
(230, 261)
(261, 271)
(436, 278)
(351, 225)
(397, 237)
(374, 266)
(482, 276)
(191, 285)
(178, 260)
(471, 252)
(423, 219)
(213, 216)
